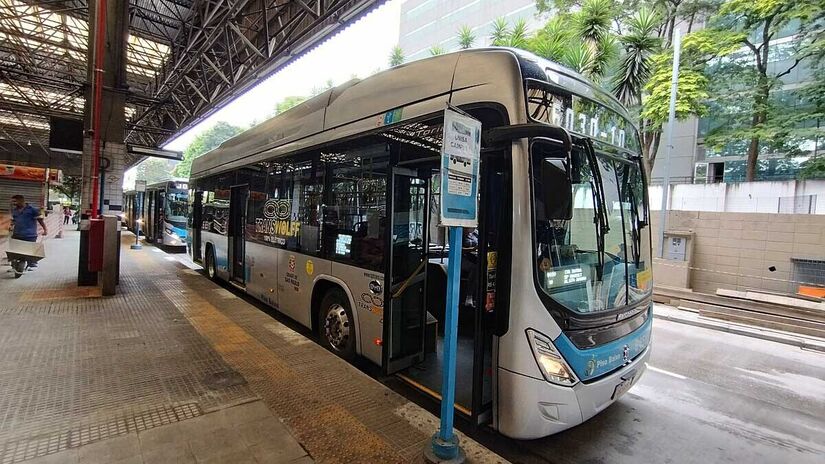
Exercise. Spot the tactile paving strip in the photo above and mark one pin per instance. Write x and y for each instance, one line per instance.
(76, 368)
(337, 413)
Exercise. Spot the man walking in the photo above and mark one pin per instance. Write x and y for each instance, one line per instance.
(24, 222)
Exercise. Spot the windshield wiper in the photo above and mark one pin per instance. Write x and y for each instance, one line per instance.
(600, 208)
(635, 222)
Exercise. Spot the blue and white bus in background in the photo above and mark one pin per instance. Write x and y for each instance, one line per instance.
(328, 212)
(163, 209)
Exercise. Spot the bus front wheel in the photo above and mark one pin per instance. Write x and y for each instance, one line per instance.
(335, 324)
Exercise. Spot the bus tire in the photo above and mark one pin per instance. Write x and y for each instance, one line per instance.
(211, 271)
(336, 329)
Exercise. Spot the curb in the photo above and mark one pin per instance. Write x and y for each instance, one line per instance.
(748, 332)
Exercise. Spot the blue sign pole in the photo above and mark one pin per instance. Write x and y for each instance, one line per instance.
(460, 157)
(445, 443)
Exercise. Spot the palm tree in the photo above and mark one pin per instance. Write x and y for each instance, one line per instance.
(397, 56)
(592, 22)
(639, 44)
(552, 40)
(578, 57)
(466, 37)
(592, 26)
(501, 31)
(437, 50)
(518, 36)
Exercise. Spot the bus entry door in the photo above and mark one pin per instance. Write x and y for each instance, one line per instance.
(405, 314)
(237, 221)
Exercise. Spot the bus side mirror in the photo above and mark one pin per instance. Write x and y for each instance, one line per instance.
(555, 178)
(557, 189)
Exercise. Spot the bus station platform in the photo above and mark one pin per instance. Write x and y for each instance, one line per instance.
(175, 368)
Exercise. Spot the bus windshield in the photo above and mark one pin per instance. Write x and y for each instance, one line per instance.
(177, 207)
(598, 258)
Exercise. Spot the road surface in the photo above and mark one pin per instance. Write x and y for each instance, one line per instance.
(707, 397)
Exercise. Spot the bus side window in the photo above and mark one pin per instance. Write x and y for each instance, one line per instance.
(355, 217)
(294, 190)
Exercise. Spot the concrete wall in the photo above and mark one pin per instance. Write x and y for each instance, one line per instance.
(744, 197)
(735, 250)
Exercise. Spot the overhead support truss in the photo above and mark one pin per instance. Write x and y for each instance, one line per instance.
(224, 49)
(185, 59)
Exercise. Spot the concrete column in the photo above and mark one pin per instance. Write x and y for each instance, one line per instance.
(113, 154)
(114, 87)
(112, 117)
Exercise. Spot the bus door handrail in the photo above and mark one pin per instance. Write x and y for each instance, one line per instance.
(400, 289)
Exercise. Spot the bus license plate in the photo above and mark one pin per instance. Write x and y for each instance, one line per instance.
(623, 386)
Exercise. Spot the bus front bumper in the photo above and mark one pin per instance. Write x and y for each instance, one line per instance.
(535, 408)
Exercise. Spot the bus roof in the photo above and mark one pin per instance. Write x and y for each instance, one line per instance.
(163, 183)
(398, 87)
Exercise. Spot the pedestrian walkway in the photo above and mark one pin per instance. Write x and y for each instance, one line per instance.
(175, 368)
(670, 313)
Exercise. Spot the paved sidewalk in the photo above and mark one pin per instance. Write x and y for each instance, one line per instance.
(175, 368)
(241, 434)
(670, 313)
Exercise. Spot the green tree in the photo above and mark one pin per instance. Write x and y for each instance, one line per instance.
(553, 40)
(518, 35)
(70, 187)
(639, 44)
(396, 56)
(624, 44)
(466, 37)
(814, 168)
(204, 142)
(500, 33)
(287, 103)
(756, 121)
(436, 50)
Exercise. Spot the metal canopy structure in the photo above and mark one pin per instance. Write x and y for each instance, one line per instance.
(185, 60)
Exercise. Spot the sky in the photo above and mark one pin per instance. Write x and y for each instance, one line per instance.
(359, 50)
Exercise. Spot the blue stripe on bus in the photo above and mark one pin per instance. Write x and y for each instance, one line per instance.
(603, 359)
(178, 231)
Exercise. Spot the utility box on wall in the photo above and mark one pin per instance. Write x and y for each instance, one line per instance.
(673, 268)
(675, 247)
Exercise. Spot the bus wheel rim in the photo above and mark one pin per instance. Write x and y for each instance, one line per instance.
(336, 327)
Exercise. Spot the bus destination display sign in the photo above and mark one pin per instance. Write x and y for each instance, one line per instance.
(460, 159)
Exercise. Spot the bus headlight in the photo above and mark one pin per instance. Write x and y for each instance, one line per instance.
(550, 362)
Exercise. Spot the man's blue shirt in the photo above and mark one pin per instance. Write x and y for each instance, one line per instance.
(25, 221)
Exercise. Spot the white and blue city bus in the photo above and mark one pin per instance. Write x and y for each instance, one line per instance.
(328, 212)
(163, 210)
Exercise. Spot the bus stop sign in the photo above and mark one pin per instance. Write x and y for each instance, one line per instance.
(460, 159)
